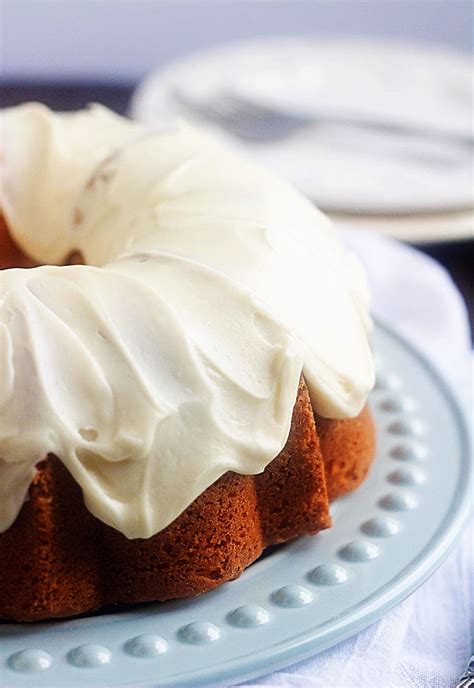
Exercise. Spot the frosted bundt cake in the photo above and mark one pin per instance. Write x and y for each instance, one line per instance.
(191, 393)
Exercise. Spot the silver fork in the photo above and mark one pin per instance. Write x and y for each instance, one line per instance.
(243, 119)
(252, 121)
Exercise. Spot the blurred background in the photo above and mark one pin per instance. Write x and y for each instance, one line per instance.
(121, 41)
(365, 105)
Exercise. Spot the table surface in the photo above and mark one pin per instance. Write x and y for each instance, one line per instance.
(457, 257)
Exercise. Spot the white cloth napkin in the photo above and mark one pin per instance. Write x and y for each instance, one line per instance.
(426, 641)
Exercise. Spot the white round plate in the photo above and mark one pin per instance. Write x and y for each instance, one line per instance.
(342, 169)
(304, 597)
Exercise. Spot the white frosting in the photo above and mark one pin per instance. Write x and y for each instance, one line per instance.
(175, 354)
(46, 160)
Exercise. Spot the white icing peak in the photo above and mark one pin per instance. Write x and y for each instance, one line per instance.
(177, 357)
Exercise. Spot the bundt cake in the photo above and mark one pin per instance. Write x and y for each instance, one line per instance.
(191, 390)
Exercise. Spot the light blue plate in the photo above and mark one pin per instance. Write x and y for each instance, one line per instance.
(388, 537)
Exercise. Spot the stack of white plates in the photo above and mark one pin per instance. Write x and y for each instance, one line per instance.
(416, 188)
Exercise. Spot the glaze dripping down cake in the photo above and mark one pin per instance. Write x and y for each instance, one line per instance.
(194, 391)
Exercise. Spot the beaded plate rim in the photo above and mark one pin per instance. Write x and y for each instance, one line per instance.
(67, 652)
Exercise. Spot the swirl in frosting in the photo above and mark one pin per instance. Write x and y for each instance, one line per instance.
(174, 354)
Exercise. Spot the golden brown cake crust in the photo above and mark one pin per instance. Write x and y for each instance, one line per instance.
(45, 557)
(348, 447)
(291, 492)
(58, 560)
(10, 254)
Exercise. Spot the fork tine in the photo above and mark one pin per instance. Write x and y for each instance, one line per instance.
(267, 112)
(240, 117)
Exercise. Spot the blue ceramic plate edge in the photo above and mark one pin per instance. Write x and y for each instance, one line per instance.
(408, 581)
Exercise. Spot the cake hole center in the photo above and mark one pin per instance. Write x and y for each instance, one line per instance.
(12, 256)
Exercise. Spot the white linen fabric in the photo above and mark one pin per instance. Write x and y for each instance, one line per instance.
(426, 641)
